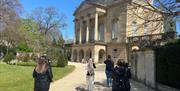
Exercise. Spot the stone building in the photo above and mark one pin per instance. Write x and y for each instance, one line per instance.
(102, 28)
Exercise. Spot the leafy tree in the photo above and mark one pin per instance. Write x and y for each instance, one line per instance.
(49, 23)
(9, 20)
(23, 47)
(33, 38)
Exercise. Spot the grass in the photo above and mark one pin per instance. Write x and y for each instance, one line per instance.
(19, 78)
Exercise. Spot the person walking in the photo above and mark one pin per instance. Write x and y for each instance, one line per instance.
(109, 66)
(90, 75)
(42, 75)
(118, 77)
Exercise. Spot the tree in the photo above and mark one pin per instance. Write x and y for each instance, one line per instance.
(9, 22)
(160, 14)
(32, 37)
(9, 12)
(49, 22)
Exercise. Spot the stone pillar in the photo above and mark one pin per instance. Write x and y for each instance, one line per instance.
(80, 32)
(75, 25)
(96, 55)
(72, 55)
(87, 31)
(78, 56)
(96, 27)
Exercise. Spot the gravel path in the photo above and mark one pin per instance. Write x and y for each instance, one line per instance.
(76, 81)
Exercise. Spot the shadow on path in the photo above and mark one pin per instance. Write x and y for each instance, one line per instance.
(98, 86)
(80, 89)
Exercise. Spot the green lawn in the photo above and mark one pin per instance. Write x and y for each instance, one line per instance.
(19, 78)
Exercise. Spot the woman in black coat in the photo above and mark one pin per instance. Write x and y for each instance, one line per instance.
(42, 75)
(118, 77)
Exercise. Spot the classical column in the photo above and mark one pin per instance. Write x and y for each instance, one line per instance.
(75, 31)
(87, 31)
(80, 32)
(72, 56)
(96, 27)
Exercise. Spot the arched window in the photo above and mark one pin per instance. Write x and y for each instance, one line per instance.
(114, 33)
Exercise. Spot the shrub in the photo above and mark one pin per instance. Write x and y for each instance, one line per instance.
(24, 57)
(62, 61)
(57, 56)
(31, 63)
(8, 57)
(34, 57)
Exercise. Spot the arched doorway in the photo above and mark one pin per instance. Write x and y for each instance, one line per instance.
(102, 56)
(75, 56)
(81, 55)
(88, 54)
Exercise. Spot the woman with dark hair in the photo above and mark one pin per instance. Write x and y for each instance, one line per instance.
(42, 75)
(118, 77)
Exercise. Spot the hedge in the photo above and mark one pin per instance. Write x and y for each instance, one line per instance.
(31, 63)
(168, 64)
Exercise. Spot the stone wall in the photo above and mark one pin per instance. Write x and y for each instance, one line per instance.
(117, 51)
(143, 67)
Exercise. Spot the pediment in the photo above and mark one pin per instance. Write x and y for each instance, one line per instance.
(82, 7)
(85, 5)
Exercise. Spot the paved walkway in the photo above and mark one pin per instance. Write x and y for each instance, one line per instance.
(76, 81)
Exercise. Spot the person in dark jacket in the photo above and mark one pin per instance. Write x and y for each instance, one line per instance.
(118, 77)
(42, 75)
(109, 66)
(127, 77)
(50, 69)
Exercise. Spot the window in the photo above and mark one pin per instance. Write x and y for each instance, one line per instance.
(114, 29)
(77, 31)
(101, 32)
(114, 53)
(145, 29)
(134, 28)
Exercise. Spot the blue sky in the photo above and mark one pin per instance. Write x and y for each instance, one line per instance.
(66, 7)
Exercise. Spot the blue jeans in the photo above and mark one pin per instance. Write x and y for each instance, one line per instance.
(109, 78)
(90, 83)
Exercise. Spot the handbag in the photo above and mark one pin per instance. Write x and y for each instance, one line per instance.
(94, 65)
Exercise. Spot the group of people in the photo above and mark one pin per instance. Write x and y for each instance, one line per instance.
(117, 77)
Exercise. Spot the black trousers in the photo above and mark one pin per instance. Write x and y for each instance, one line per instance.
(41, 86)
